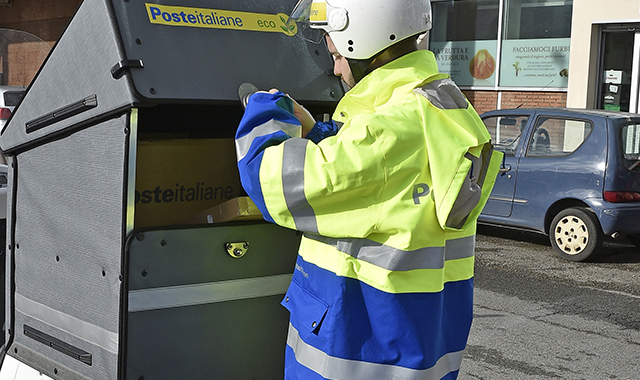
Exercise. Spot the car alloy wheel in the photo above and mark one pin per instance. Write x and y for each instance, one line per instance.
(575, 234)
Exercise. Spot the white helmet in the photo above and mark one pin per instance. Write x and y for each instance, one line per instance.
(362, 28)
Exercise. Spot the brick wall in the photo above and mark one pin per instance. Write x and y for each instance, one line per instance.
(482, 101)
(24, 60)
(513, 99)
(39, 24)
(488, 100)
(45, 19)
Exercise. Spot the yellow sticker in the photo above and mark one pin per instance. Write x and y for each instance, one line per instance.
(318, 12)
(219, 19)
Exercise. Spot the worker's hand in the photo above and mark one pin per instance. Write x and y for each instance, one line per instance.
(306, 119)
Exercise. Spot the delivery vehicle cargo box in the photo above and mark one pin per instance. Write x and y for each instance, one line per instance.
(176, 178)
(126, 130)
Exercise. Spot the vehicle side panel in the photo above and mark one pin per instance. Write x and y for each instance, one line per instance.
(543, 181)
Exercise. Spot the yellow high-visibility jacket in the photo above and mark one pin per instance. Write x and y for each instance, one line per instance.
(383, 283)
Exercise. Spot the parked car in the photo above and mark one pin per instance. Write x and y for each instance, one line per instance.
(10, 96)
(571, 174)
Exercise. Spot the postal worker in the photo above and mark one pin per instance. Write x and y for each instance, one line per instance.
(387, 195)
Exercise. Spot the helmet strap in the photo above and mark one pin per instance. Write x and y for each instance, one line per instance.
(361, 67)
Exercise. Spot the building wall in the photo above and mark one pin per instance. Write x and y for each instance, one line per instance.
(587, 14)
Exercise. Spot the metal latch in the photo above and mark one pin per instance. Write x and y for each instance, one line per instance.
(237, 250)
(118, 70)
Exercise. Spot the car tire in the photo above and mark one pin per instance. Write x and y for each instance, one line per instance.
(634, 239)
(575, 234)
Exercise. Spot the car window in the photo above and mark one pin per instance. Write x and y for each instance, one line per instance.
(12, 98)
(505, 131)
(557, 137)
(630, 135)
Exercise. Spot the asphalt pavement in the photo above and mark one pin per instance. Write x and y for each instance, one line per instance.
(538, 316)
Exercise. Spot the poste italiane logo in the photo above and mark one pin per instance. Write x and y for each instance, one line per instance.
(219, 19)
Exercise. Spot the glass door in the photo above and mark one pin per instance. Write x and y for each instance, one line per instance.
(619, 68)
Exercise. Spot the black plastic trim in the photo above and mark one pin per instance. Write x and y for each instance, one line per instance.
(58, 345)
(65, 112)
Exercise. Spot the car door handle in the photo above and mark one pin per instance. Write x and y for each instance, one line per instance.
(505, 168)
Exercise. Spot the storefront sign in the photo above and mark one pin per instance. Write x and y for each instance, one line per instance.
(542, 63)
(469, 63)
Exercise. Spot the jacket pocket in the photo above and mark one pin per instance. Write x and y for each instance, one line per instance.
(307, 311)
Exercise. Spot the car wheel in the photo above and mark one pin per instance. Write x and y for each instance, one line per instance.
(634, 239)
(575, 234)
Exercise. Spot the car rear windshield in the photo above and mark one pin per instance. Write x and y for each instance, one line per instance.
(630, 135)
(12, 98)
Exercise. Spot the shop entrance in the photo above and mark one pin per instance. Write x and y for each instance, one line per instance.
(619, 68)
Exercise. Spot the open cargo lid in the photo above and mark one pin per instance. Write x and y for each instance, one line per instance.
(115, 54)
(204, 49)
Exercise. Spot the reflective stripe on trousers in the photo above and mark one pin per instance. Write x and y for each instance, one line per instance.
(335, 368)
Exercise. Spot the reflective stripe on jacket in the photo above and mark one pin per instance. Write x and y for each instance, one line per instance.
(384, 278)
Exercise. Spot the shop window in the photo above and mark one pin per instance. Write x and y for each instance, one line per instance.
(529, 19)
(464, 39)
(536, 45)
(465, 20)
